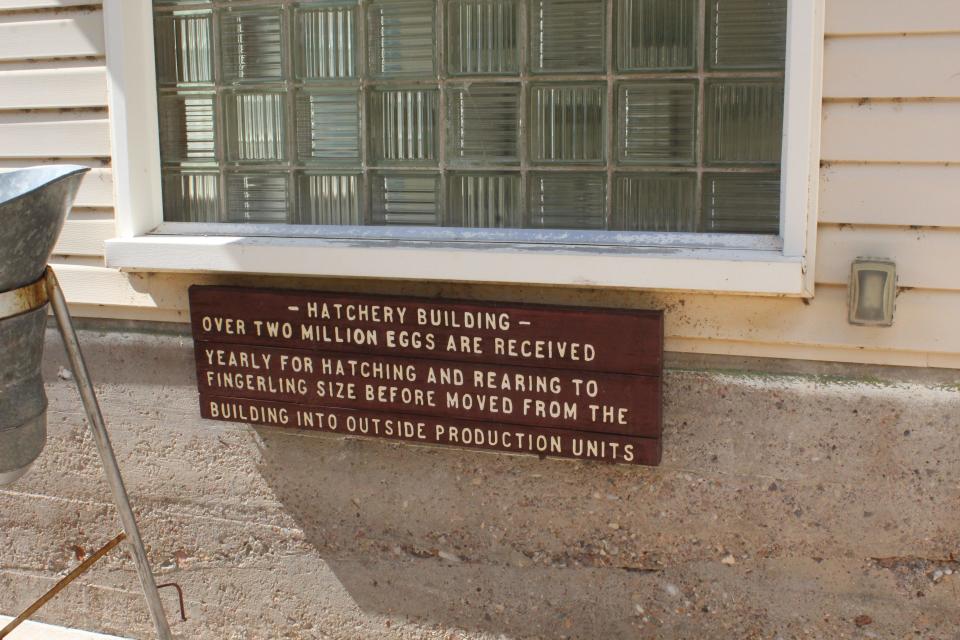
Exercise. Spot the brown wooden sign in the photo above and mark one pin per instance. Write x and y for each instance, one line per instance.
(551, 381)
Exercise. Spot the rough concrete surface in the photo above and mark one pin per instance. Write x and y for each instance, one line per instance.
(786, 507)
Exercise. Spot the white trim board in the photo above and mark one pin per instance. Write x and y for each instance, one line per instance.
(743, 272)
(731, 268)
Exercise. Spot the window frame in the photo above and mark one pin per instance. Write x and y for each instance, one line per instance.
(715, 263)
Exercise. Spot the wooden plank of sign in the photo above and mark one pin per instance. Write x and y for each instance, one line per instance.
(610, 340)
(423, 430)
(592, 401)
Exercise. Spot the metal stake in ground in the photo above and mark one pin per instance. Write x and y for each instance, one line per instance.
(60, 586)
(110, 467)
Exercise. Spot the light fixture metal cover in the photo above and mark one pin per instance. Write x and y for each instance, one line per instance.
(873, 292)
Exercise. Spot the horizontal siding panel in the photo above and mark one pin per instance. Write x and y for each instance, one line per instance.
(923, 334)
(887, 357)
(893, 66)
(96, 190)
(135, 314)
(890, 194)
(53, 88)
(944, 360)
(892, 16)
(11, 164)
(926, 258)
(83, 261)
(45, 139)
(101, 286)
(15, 5)
(857, 355)
(891, 132)
(57, 36)
(925, 321)
(90, 213)
(84, 237)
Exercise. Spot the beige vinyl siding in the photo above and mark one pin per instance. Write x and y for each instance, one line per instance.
(51, 34)
(890, 178)
(27, 5)
(897, 66)
(53, 97)
(890, 187)
(890, 194)
(78, 83)
(55, 134)
(927, 258)
(907, 17)
(902, 131)
(96, 191)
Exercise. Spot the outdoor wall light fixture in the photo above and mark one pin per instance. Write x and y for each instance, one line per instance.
(873, 292)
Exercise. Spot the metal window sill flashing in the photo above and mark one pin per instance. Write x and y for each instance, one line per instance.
(748, 265)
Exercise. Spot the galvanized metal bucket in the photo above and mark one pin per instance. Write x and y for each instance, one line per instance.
(33, 205)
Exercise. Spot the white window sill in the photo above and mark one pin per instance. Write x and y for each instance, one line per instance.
(752, 265)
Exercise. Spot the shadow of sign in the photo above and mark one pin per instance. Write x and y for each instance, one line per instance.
(504, 544)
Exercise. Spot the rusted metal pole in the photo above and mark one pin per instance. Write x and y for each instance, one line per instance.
(60, 586)
(183, 607)
(110, 467)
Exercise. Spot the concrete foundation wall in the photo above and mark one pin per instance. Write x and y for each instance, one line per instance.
(786, 507)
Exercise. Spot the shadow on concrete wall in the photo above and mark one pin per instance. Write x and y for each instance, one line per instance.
(512, 545)
(785, 506)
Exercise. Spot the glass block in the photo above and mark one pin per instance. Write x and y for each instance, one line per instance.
(485, 200)
(325, 45)
(568, 201)
(191, 196)
(256, 126)
(328, 199)
(405, 199)
(483, 123)
(403, 125)
(746, 34)
(744, 121)
(401, 36)
(656, 202)
(568, 123)
(188, 127)
(568, 35)
(252, 45)
(483, 37)
(656, 35)
(657, 122)
(328, 125)
(741, 203)
(184, 46)
(260, 197)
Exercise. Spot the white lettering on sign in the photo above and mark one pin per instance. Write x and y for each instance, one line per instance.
(223, 326)
(523, 378)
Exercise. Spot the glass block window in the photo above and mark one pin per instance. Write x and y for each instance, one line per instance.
(600, 115)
